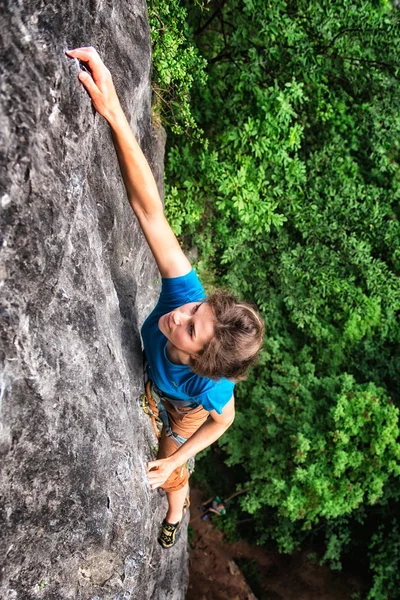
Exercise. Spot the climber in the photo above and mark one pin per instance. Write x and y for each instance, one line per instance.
(212, 505)
(196, 348)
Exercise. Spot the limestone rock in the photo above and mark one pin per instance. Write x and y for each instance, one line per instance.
(77, 280)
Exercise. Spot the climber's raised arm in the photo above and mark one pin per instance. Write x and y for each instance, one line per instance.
(139, 182)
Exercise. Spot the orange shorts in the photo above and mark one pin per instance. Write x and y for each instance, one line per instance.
(184, 423)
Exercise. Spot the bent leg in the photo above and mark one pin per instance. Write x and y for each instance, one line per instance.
(176, 486)
(176, 501)
(179, 477)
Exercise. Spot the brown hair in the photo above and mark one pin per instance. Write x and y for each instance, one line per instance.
(237, 339)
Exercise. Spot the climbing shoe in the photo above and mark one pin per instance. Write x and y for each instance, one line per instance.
(169, 534)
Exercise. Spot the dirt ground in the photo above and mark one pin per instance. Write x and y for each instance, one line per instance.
(215, 575)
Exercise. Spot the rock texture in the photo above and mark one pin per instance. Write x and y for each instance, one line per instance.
(77, 280)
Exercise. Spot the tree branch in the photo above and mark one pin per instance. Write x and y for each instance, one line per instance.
(374, 63)
(211, 19)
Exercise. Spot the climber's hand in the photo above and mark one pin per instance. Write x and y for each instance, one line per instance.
(99, 83)
(158, 471)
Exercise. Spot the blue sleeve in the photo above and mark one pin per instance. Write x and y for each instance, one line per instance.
(176, 291)
(218, 396)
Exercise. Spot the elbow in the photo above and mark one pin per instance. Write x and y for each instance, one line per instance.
(148, 208)
(228, 423)
(223, 421)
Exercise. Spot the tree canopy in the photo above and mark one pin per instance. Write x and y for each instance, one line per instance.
(283, 171)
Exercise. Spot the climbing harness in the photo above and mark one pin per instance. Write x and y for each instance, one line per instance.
(152, 405)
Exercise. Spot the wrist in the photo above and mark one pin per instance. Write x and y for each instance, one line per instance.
(174, 461)
(115, 116)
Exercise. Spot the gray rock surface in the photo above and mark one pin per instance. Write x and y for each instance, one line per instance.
(77, 280)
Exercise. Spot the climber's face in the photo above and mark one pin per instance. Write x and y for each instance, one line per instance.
(188, 328)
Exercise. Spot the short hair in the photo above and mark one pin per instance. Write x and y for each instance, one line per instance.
(237, 339)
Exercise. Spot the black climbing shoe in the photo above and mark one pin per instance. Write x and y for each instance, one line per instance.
(169, 534)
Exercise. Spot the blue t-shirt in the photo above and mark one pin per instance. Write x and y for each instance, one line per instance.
(178, 381)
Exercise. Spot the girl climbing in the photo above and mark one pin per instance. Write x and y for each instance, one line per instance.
(196, 347)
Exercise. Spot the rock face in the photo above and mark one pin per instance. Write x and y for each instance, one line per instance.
(77, 279)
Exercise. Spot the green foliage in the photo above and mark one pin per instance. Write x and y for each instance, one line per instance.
(385, 562)
(291, 197)
(305, 471)
(176, 64)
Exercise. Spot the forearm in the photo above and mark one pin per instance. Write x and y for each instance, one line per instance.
(139, 182)
(208, 433)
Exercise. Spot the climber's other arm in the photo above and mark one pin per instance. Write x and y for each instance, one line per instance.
(159, 470)
(139, 182)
